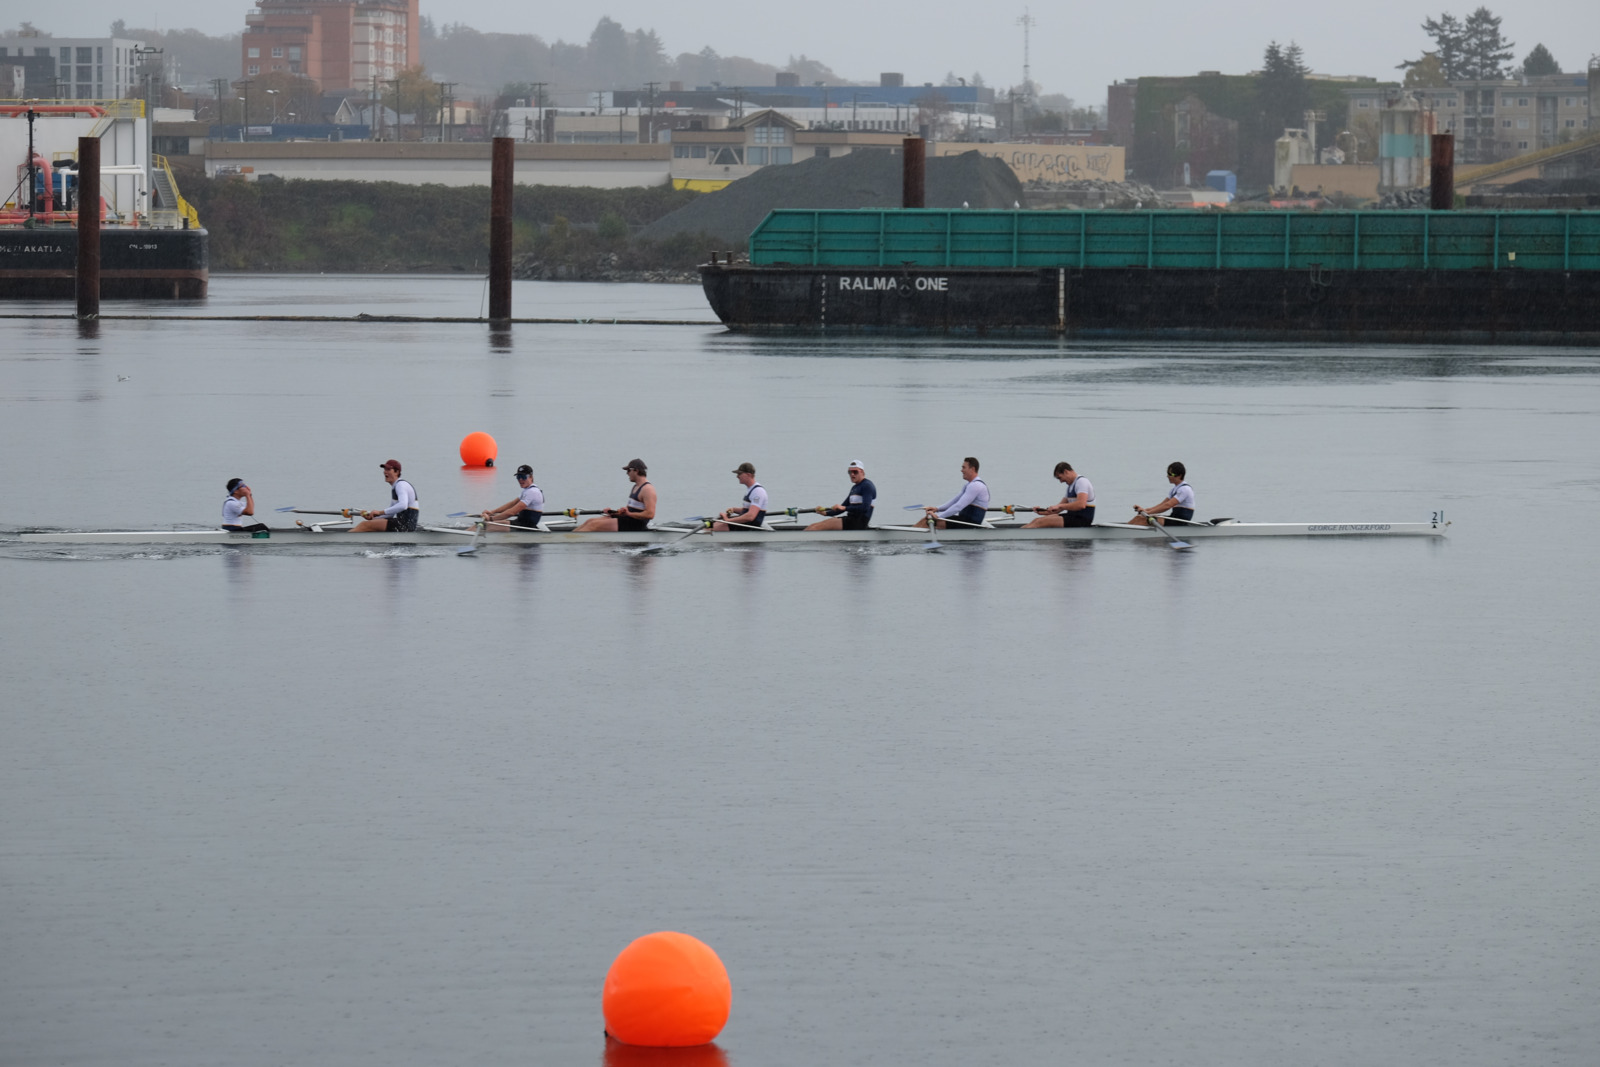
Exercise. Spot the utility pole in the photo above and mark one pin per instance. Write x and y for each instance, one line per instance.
(538, 105)
(244, 119)
(447, 89)
(217, 86)
(399, 118)
(650, 129)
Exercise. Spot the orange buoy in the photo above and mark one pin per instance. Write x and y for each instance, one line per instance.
(478, 450)
(666, 990)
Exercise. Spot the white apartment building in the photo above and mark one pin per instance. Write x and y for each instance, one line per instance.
(87, 68)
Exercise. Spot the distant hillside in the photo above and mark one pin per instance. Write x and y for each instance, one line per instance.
(859, 180)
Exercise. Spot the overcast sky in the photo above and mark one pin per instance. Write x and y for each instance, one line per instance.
(1077, 49)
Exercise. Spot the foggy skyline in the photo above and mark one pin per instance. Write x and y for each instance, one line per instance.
(1071, 55)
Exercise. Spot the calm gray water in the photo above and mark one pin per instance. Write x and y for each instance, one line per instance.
(1298, 802)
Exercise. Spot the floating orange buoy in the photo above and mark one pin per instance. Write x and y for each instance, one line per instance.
(666, 989)
(478, 450)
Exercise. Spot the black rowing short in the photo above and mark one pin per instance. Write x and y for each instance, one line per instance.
(526, 519)
(629, 524)
(1081, 517)
(1186, 514)
(252, 528)
(405, 522)
(856, 520)
(972, 514)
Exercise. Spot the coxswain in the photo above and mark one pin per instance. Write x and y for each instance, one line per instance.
(523, 512)
(1179, 503)
(633, 516)
(855, 513)
(1076, 507)
(239, 503)
(401, 515)
(754, 511)
(968, 508)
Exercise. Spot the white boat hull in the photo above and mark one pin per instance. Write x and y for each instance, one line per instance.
(791, 535)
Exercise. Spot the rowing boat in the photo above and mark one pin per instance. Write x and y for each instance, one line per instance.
(782, 534)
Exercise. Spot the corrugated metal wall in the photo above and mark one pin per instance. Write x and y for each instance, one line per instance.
(1332, 240)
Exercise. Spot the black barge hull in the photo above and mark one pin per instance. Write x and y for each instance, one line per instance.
(1404, 306)
(135, 264)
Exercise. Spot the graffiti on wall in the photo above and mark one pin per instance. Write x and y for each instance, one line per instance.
(1051, 163)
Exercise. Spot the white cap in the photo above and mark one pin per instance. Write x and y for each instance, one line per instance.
(857, 464)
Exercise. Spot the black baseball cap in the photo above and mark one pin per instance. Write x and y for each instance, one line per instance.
(524, 471)
(636, 465)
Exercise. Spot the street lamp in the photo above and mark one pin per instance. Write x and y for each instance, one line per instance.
(274, 94)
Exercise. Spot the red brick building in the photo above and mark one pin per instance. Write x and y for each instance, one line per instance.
(339, 44)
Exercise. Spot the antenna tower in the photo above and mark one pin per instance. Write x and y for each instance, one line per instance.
(1027, 22)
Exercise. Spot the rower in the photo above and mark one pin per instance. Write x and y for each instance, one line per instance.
(239, 503)
(401, 515)
(633, 516)
(855, 513)
(1179, 502)
(526, 510)
(754, 512)
(966, 509)
(1076, 507)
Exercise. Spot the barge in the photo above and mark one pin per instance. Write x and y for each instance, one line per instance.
(1522, 277)
(152, 246)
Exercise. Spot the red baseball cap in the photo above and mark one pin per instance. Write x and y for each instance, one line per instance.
(390, 464)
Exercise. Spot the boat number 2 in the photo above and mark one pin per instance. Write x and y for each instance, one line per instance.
(1438, 517)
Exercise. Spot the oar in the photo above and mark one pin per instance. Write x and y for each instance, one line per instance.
(305, 511)
(663, 545)
(1176, 543)
(477, 541)
(318, 527)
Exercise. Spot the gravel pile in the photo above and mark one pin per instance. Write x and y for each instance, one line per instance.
(1090, 193)
(868, 179)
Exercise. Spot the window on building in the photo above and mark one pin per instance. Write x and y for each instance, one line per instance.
(782, 155)
(1363, 103)
(756, 157)
(1522, 101)
(1505, 101)
(1505, 123)
(1522, 124)
(728, 155)
(252, 53)
(697, 151)
(294, 51)
(1567, 102)
(86, 55)
(680, 151)
(1571, 123)
(1523, 145)
(277, 52)
(822, 152)
(254, 69)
